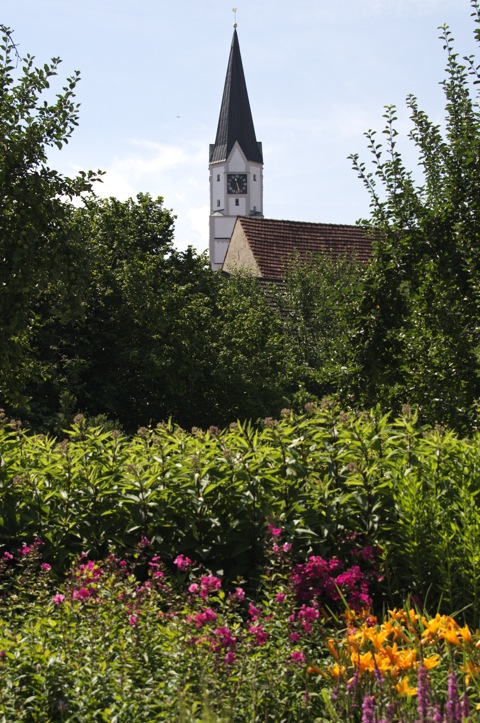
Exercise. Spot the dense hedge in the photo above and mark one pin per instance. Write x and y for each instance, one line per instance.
(328, 477)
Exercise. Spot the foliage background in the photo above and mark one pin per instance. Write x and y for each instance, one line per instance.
(332, 480)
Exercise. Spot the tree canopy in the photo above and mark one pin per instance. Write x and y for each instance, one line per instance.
(100, 313)
(419, 338)
(36, 246)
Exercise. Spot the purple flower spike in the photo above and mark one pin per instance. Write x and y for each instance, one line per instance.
(390, 712)
(368, 709)
(452, 708)
(423, 694)
(465, 707)
(352, 684)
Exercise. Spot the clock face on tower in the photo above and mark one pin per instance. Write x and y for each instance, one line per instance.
(237, 183)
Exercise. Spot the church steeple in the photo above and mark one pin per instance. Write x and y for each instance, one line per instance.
(236, 161)
(235, 122)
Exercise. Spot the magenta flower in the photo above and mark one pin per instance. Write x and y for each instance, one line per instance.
(193, 588)
(274, 531)
(253, 611)
(309, 613)
(226, 638)
(82, 594)
(260, 634)
(280, 597)
(297, 657)
(229, 658)
(7, 556)
(182, 562)
(208, 584)
(58, 598)
(239, 594)
(208, 615)
(45, 566)
(133, 620)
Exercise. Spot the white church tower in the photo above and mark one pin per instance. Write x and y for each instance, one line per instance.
(236, 161)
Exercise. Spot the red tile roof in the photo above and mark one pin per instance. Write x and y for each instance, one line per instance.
(274, 243)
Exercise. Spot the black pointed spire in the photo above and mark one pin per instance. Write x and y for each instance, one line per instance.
(235, 122)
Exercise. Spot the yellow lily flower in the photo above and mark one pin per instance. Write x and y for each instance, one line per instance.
(404, 687)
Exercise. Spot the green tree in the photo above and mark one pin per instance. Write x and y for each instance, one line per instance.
(250, 362)
(139, 351)
(36, 248)
(319, 303)
(420, 337)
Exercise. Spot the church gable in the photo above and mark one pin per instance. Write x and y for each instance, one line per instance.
(239, 255)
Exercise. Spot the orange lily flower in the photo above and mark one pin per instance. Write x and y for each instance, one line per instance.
(432, 661)
(404, 687)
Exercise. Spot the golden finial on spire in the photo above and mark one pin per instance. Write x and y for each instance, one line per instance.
(234, 10)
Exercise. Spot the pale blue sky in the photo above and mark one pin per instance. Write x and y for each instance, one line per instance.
(319, 73)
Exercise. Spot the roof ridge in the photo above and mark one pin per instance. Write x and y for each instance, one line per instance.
(260, 219)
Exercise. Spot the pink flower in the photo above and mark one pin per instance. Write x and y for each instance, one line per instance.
(193, 588)
(45, 566)
(239, 594)
(208, 584)
(208, 615)
(229, 658)
(274, 531)
(253, 611)
(133, 620)
(297, 656)
(7, 556)
(260, 634)
(280, 597)
(227, 639)
(294, 637)
(82, 594)
(182, 562)
(58, 598)
(309, 613)
(24, 549)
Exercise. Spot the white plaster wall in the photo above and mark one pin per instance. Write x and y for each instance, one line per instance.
(217, 188)
(223, 226)
(237, 162)
(241, 209)
(255, 189)
(220, 251)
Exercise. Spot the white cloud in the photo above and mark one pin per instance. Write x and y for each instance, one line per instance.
(177, 173)
(116, 185)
